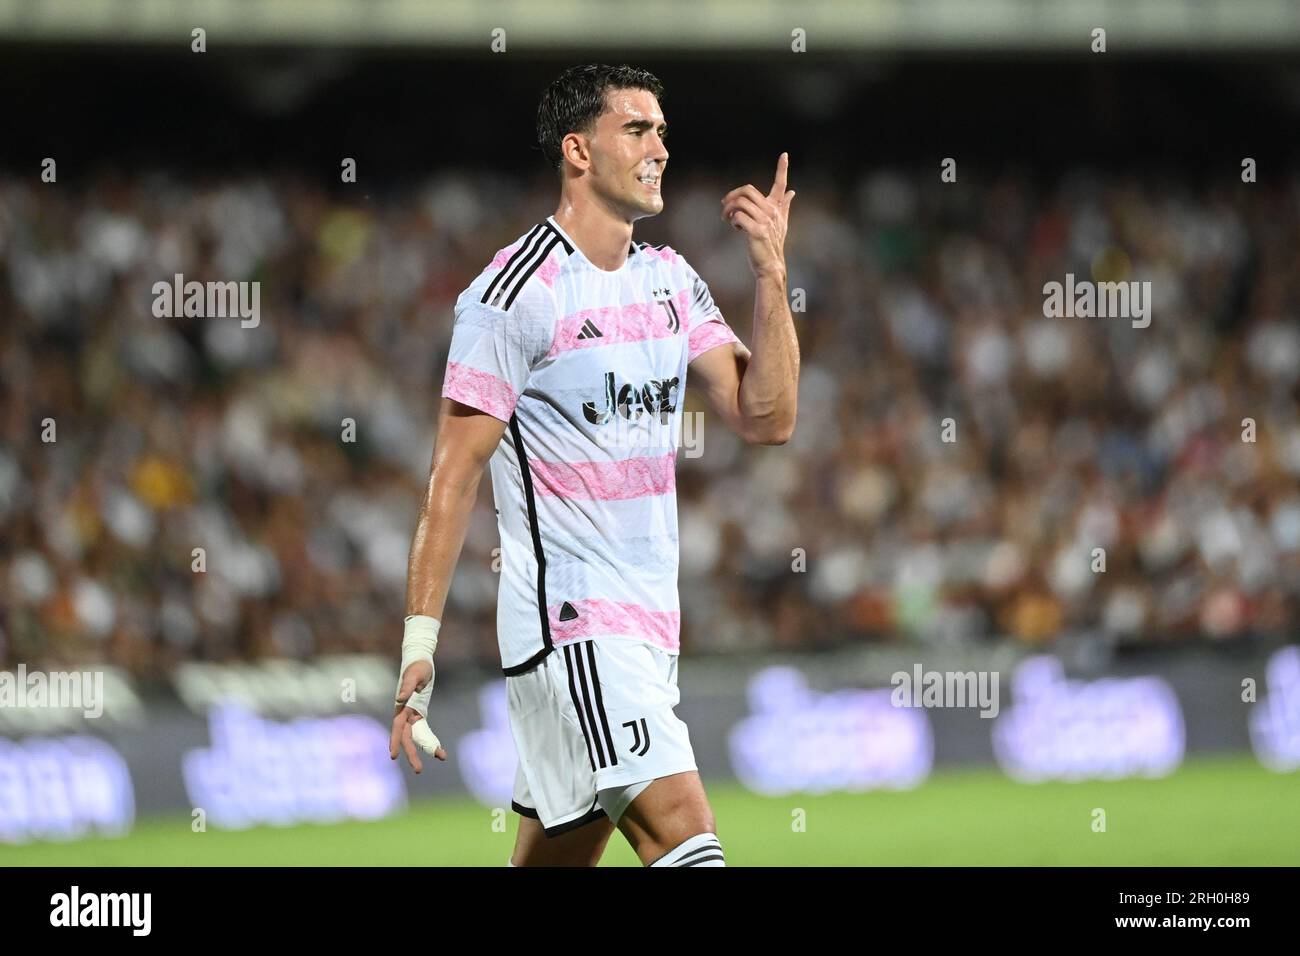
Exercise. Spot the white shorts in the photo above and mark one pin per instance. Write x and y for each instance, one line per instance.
(593, 715)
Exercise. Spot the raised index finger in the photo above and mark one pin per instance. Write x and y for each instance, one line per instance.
(778, 184)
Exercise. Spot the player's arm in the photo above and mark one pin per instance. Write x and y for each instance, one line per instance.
(466, 440)
(491, 355)
(755, 393)
(717, 374)
(465, 443)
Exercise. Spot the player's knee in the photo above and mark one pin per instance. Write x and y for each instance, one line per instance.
(694, 811)
(703, 849)
(688, 809)
(667, 814)
(702, 821)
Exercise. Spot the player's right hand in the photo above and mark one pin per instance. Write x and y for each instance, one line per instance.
(409, 725)
(763, 219)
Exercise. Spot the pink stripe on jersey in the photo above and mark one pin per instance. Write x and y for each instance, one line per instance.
(617, 323)
(605, 480)
(667, 254)
(503, 256)
(480, 390)
(709, 336)
(598, 617)
(549, 269)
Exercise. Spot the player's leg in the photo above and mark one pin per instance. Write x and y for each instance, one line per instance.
(555, 784)
(649, 785)
(670, 823)
(580, 847)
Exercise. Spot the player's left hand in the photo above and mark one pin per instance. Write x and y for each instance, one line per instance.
(409, 724)
(763, 219)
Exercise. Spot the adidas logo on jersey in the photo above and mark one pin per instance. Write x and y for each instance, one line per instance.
(589, 331)
(659, 395)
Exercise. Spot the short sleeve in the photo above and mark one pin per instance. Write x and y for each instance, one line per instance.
(493, 350)
(706, 327)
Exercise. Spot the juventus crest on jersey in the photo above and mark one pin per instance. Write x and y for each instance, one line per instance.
(587, 367)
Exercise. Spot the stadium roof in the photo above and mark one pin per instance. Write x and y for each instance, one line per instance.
(667, 25)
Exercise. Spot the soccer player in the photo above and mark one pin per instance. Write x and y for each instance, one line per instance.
(568, 359)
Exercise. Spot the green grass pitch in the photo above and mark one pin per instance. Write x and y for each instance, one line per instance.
(1223, 811)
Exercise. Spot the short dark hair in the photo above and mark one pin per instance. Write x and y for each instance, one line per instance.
(576, 99)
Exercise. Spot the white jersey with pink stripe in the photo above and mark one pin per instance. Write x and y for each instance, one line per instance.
(588, 368)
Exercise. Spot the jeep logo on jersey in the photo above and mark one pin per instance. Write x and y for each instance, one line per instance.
(657, 395)
(664, 298)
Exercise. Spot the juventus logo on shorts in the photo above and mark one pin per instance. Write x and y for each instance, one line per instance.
(674, 321)
(639, 730)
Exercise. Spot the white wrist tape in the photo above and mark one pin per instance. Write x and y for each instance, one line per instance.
(419, 642)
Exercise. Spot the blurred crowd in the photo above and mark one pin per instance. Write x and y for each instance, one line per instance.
(964, 469)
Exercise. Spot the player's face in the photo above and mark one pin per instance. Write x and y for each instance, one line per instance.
(628, 153)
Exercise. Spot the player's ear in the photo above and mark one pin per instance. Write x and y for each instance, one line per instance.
(574, 148)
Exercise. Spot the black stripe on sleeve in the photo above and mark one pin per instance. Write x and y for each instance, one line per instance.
(523, 279)
(513, 262)
(568, 249)
(525, 264)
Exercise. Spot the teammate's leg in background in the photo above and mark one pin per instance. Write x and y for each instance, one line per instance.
(670, 823)
(580, 847)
